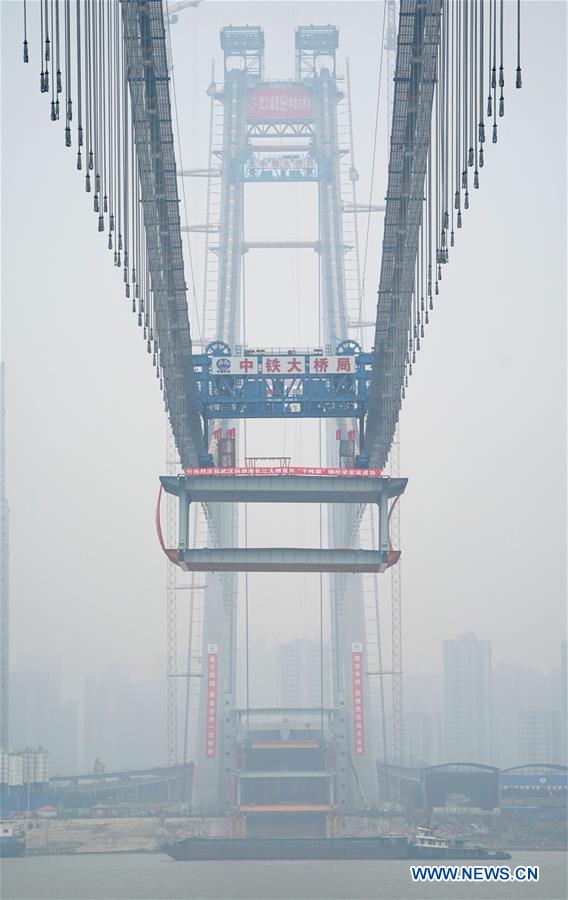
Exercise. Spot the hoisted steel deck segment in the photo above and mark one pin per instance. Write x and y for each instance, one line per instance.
(284, 559)
(282, 489)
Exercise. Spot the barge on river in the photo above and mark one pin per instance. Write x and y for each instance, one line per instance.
(424, 845)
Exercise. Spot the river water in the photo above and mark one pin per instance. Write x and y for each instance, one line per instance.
(154, 876)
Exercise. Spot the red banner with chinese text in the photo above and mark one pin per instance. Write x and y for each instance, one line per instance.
(288, 470)
(211, 729)
(284, 102)
(358, 712)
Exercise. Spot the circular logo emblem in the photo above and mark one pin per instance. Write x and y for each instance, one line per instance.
(222, 364)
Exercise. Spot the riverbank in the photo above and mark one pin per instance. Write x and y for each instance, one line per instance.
(143, 834)
(146, 834)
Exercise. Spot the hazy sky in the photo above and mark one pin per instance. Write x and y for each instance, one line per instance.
(482, 429)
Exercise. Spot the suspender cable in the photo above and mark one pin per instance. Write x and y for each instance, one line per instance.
(79, 88)
(47, 41)
(472, 90)
(457, 122)
(59, 83)
(446, 125)
(247, 648)
(95, 86)
(321, 518)
(519, 81)
(89, 112)
(42, 75)
(54, 78)
(489, 99)
(465, 35)
(451, 125)
(374, 155)
(477, 75)
(494, 73)
(111, 147)
(68, 100)
(125, 172)
(119, 145)
(501, 72)
(26, 55)
(104, 104)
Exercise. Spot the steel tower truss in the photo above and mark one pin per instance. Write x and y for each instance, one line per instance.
(275, 132)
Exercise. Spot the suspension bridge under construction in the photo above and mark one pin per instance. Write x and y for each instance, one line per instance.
(106, 71)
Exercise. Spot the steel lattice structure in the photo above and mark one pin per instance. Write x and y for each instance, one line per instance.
(415, 78)
(148, 79)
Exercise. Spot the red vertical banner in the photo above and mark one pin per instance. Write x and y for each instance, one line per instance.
(357, 687)
(211, 730)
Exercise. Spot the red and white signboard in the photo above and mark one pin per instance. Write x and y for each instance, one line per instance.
(285, 102)
(357, 686)
(287, 470)
(331, 365)
(234, 365)
(283, 365)
(212, 677)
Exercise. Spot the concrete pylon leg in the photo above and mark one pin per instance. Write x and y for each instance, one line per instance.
(183, 525)
(383, 523)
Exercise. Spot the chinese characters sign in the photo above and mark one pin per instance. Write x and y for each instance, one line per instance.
(357, 683)
(211, 729)
(278, 167)
(287, 470)
(284, 102)
(283, 365)
(331, 365)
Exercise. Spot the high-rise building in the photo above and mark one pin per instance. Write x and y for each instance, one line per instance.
(467, 700)
(563, 704)
(35, 712)
(539, 736)
(100, 722)
(300, 673)
(515, 688)
(64, 751)
(423, 719)
(4, 584)
(123, 722)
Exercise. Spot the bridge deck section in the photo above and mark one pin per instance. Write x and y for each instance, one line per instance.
(283, 559)
(283, 488)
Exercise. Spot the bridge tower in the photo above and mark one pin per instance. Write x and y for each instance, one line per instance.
(274, 132)
(243, 66)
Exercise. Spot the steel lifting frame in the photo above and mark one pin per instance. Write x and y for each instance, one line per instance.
(268, 395)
